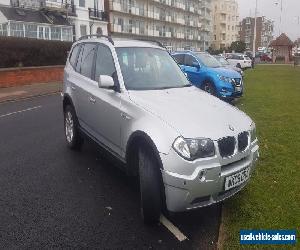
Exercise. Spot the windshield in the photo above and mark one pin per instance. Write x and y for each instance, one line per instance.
(208, 60)
(150, 68)
(222, 60)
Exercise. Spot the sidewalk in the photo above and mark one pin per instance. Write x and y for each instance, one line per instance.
(26, 91)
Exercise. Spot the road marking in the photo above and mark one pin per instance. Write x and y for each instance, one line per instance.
(20, 111)
(173, 229)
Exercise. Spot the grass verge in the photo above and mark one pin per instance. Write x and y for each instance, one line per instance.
(272, 198)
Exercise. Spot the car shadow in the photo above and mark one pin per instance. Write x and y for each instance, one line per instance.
(201, 226)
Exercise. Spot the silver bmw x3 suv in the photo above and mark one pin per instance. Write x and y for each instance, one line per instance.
(188, 148)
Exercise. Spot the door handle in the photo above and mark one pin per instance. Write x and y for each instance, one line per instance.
(73, 88)
(92, 99)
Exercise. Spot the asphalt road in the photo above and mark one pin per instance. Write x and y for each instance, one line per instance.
(51, 197)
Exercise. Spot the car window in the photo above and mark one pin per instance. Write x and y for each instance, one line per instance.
(208, 60)
(179, 58)
(73, 55)
(149, 68)
(104, 62)
(190, 61)
(78, 64)
(88, 60)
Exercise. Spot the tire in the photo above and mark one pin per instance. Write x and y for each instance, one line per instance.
(73, 137)
(150, 186)
(209, 88)
(239, 65)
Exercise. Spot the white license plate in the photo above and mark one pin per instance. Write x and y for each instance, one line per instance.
(237, 178)
(238, 89)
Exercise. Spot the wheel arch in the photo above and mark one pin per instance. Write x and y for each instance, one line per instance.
(67, 100)
(134, 142)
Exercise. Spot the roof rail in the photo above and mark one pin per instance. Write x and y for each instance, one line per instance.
(97, 36)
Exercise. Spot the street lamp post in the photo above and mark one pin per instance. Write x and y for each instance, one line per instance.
(255, 27)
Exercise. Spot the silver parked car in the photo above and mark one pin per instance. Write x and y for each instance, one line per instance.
(227, 65)
(188, 148)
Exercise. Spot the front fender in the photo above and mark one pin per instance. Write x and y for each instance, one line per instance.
(141, 120)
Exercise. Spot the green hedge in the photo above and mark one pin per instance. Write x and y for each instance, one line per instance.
(26, 52)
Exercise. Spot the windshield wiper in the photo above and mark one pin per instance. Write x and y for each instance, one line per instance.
(176, 87)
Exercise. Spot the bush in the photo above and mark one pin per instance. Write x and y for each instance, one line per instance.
(26, 52)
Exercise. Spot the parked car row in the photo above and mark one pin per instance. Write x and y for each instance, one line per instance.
(207, 73)
(188, 148)
(239, 60)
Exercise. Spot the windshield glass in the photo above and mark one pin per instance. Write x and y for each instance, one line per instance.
(222, 60)
(150, 68)
(208, 60)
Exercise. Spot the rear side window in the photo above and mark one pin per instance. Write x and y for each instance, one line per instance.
(73, 55)
(104, 62)
(179, 59)
(78, 64)
(87, 60)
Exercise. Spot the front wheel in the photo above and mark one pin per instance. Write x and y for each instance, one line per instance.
(150, 183)
(209, 88)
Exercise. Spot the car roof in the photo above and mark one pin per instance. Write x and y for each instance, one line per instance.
(188, 52)
(124, 43)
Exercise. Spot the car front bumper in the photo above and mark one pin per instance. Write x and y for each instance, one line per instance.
(190, 185)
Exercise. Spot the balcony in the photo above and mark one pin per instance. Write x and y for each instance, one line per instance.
(98, 15)
(67, 7)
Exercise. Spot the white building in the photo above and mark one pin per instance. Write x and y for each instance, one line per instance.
(178, 24)
(76, 18)
(226, 23)
(89, 18)
(32, 23)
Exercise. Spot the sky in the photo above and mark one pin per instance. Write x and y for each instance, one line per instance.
(268, 8)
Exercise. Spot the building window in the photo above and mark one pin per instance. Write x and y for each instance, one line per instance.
(81, 3)
(99, 31)
(17, 29)
(30, 30)
(44, 32)
(3, 29)
(55, 33)
(66, 34)
(83, 30)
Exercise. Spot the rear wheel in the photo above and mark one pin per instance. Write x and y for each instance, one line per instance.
(72, 133)
(150, 186)
(209, 88)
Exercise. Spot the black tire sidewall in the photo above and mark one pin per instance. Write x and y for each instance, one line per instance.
(150, 186)
(211, 86)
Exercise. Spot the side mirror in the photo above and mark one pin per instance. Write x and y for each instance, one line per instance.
(106, 82)
(196, 65)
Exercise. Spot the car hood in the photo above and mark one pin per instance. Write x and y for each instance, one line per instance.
(227, 72)
(192, 112)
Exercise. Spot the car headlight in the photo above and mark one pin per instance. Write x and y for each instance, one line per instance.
(225, 79)
(191, 149)
(253, 132)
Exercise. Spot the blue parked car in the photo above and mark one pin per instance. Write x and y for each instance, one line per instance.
(205, 72)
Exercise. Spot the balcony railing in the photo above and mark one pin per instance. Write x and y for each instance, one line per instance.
(98, 15)
(67, 7)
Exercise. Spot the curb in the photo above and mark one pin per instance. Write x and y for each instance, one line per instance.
(221, 238)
